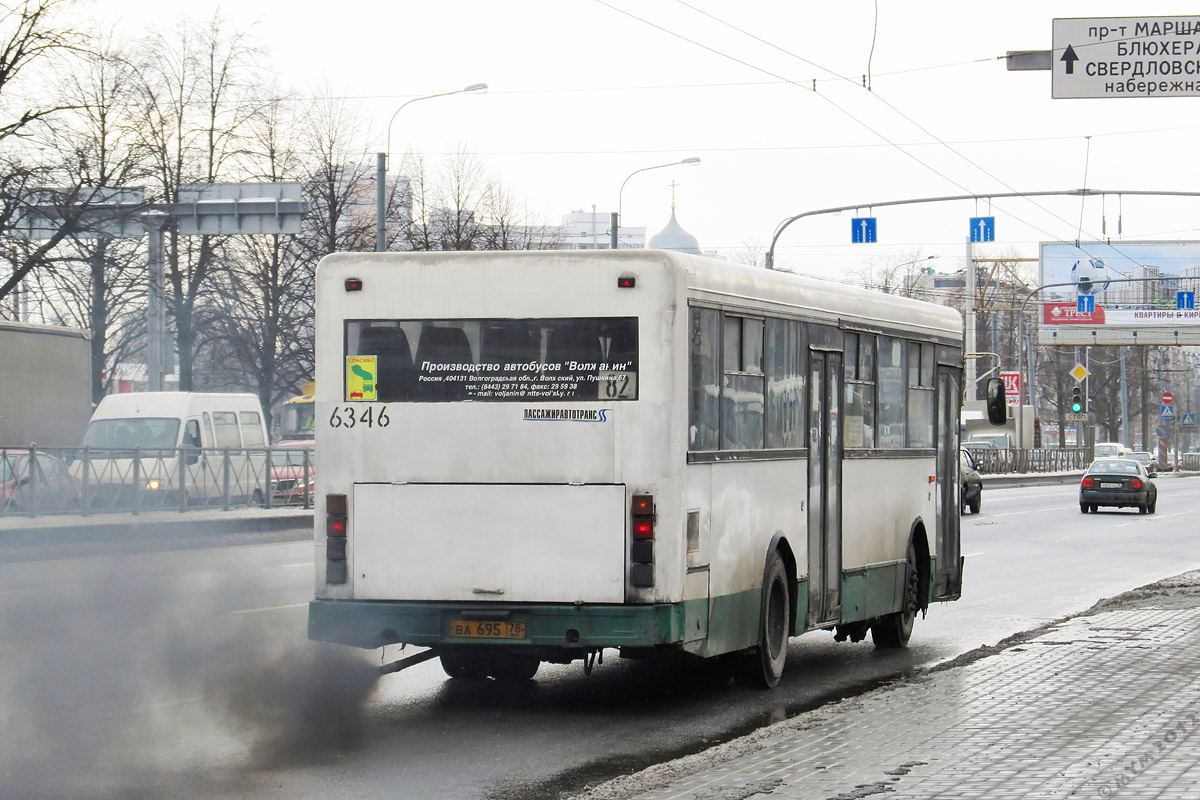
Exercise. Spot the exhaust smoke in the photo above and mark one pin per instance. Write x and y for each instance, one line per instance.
(141, 677)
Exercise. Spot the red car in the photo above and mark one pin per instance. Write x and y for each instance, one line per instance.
(45, 488)
(289, 481)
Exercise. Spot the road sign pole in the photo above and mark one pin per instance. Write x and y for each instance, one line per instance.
(969, 329)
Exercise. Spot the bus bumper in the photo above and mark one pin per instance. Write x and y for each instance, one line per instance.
(375, 623)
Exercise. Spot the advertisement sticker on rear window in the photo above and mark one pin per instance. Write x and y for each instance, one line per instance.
(361, 378)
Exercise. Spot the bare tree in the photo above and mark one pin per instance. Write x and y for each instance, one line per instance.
(33, 36)
(340, 185)
(199, 87)
(261, 314)
(101, 280)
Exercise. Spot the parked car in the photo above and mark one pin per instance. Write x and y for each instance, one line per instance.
(45, 487)
(970, 483)
(288, 474)
(1146, 460)
(1119, 482)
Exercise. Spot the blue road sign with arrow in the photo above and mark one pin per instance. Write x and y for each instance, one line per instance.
(1085, 303)
(1185, 300)
(983, 229)
(862, 230)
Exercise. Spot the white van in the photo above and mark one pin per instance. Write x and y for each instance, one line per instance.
(222, 439)
(1109, 450)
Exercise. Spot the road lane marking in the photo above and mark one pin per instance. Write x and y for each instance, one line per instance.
(268, 608)
(289, 566)
(969, 555)
(1034, 511)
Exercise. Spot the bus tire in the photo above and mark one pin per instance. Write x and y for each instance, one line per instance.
(762, 666)
(464, 664)
(894, 630)
(513, 668)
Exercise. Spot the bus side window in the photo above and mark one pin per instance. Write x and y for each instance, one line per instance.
(704, 380)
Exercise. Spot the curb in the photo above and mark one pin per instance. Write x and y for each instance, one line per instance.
(108, 531)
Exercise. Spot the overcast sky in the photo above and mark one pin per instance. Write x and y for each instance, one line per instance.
(584, 92)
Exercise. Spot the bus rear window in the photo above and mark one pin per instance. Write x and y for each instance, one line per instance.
(492, 360)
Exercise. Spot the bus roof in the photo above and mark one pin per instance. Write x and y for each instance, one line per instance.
(709, 278)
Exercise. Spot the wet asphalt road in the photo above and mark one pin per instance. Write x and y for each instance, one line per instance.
(187, 673)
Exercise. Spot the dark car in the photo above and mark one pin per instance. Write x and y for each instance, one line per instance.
(970, 483)
(1119, 482)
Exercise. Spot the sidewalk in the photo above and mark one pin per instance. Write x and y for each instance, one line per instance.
(62, 533)
(1104, 704)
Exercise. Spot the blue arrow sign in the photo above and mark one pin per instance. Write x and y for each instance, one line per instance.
(1085, 303)
(1185, 300)
(983, 229)
(1168, 412)
(862, 230)
(1187, 420)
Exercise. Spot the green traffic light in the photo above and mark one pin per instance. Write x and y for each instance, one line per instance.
(1076, 407)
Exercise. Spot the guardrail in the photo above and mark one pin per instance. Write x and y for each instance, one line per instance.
(84, 480)
(995, 461)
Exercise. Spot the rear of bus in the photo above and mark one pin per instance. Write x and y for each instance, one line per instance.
(500, 450)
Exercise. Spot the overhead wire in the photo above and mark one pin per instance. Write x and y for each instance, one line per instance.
(906, 118)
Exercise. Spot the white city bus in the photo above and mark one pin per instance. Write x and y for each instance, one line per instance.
(531, 456)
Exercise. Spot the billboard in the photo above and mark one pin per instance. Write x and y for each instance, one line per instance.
(1129, 288)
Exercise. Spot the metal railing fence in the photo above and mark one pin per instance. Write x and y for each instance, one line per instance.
(84, 480)
(999, 461)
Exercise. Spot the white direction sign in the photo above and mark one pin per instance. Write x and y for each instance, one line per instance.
(1126, 57)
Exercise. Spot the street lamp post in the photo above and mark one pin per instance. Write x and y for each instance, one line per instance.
(381, 164)
(616, 216)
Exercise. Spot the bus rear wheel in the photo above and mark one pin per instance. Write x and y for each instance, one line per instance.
(895, 629)
(464, 663)
(763, 666)
(513, 668)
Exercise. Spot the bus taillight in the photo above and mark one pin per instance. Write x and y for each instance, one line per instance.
(641, 556)
(336, 519)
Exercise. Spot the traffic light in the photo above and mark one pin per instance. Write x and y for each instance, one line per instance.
(1076, 400)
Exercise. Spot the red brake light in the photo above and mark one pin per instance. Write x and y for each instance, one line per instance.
(1135, 483)
(1088, 482)
(626, 282)
(642, 511)
(335, 525)
(353, 284)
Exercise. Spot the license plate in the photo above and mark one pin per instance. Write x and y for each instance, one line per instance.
(481, 629)
(1110, 486)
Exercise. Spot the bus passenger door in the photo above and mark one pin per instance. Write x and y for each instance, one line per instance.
(948, 581)
(824, 488)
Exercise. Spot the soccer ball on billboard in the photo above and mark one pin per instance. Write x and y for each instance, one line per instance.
(1090, 276)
